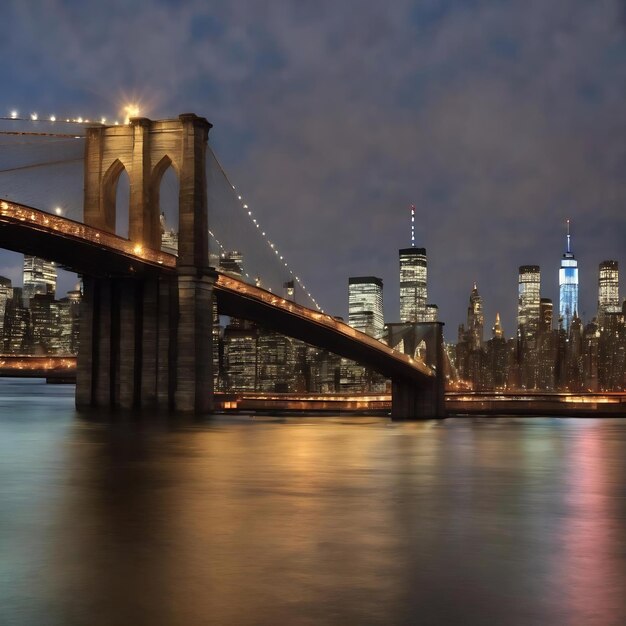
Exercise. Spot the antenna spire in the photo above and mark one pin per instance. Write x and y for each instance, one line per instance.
(412, 226)
(568, 239)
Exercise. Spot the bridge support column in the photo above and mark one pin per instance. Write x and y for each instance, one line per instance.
(411, 400)
(194, 355)
(126, 346)
(150, 344)
(167, 312)
(95, 372)
(85, 360)
(194, 371)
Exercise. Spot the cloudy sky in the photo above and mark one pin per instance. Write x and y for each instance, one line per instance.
(497, 119)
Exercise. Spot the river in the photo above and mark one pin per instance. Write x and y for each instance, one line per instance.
(344, 520)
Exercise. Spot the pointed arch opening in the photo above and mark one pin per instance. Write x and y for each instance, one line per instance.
(165, 189)
(116, 199)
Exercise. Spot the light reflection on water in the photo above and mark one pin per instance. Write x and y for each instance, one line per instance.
(307, 520)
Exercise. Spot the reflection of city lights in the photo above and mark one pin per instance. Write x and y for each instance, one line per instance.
(58, 210)
(138, 249)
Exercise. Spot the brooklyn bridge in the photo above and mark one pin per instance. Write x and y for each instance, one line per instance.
(147, 315)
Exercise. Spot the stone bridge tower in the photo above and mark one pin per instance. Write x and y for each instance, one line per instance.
(146, 341)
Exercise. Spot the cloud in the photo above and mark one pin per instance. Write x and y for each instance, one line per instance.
(498, 120)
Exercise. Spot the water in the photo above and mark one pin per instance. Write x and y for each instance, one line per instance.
(344, 520)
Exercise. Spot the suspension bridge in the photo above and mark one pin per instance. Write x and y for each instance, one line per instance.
(147, 314)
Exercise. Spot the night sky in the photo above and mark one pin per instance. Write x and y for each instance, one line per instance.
(498, 120)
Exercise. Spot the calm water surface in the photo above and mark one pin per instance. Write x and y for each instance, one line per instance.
(271, 521)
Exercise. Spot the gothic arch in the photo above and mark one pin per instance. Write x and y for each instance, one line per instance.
(146, 149)
(108, 193)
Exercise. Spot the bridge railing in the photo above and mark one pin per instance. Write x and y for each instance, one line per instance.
(323, 319)
(71, 228)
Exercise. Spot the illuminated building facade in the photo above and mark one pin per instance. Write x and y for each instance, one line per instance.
(528, 315)
(6, 292)
(568, 285)
(608, 289)
(17, 336)
(365, 305)
(495, 374)
(40, 277)
(546, 346)
(432, 313)
(45, 322)
(496, 330)
(231, 262)
(475, 319)
(529, 301)
(413, 284)
(275, 362)
(240, 357)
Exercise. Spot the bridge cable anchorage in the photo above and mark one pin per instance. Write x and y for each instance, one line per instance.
(247, 210)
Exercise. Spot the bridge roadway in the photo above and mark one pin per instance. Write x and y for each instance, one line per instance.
(90, 251)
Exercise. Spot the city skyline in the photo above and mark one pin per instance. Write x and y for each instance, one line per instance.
(497, 123)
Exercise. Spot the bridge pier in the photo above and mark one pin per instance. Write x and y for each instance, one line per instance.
(146, 340)
(411, 400)
(194, 345)
(146, 344)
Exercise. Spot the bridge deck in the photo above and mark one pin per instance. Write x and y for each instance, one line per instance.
(87, 250)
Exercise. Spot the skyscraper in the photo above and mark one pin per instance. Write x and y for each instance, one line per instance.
(365, 305)
(528, 306)
(6, 293)
(40, 277)
(546, 347)
(231, 262)
(608, 289)
(528, 315)
(568, 285)
(475, 319)
(413, 284)
(432, 313)
(496, 330)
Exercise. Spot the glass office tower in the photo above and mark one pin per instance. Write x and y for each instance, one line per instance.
(608, 289)
(529, 302)
(40, 277)
(568, 285)
(365, 305)
(413, 279)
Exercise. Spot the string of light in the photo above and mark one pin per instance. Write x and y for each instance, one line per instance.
(134, 111)
(130, 110)
(272, 246)
(35, 117)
